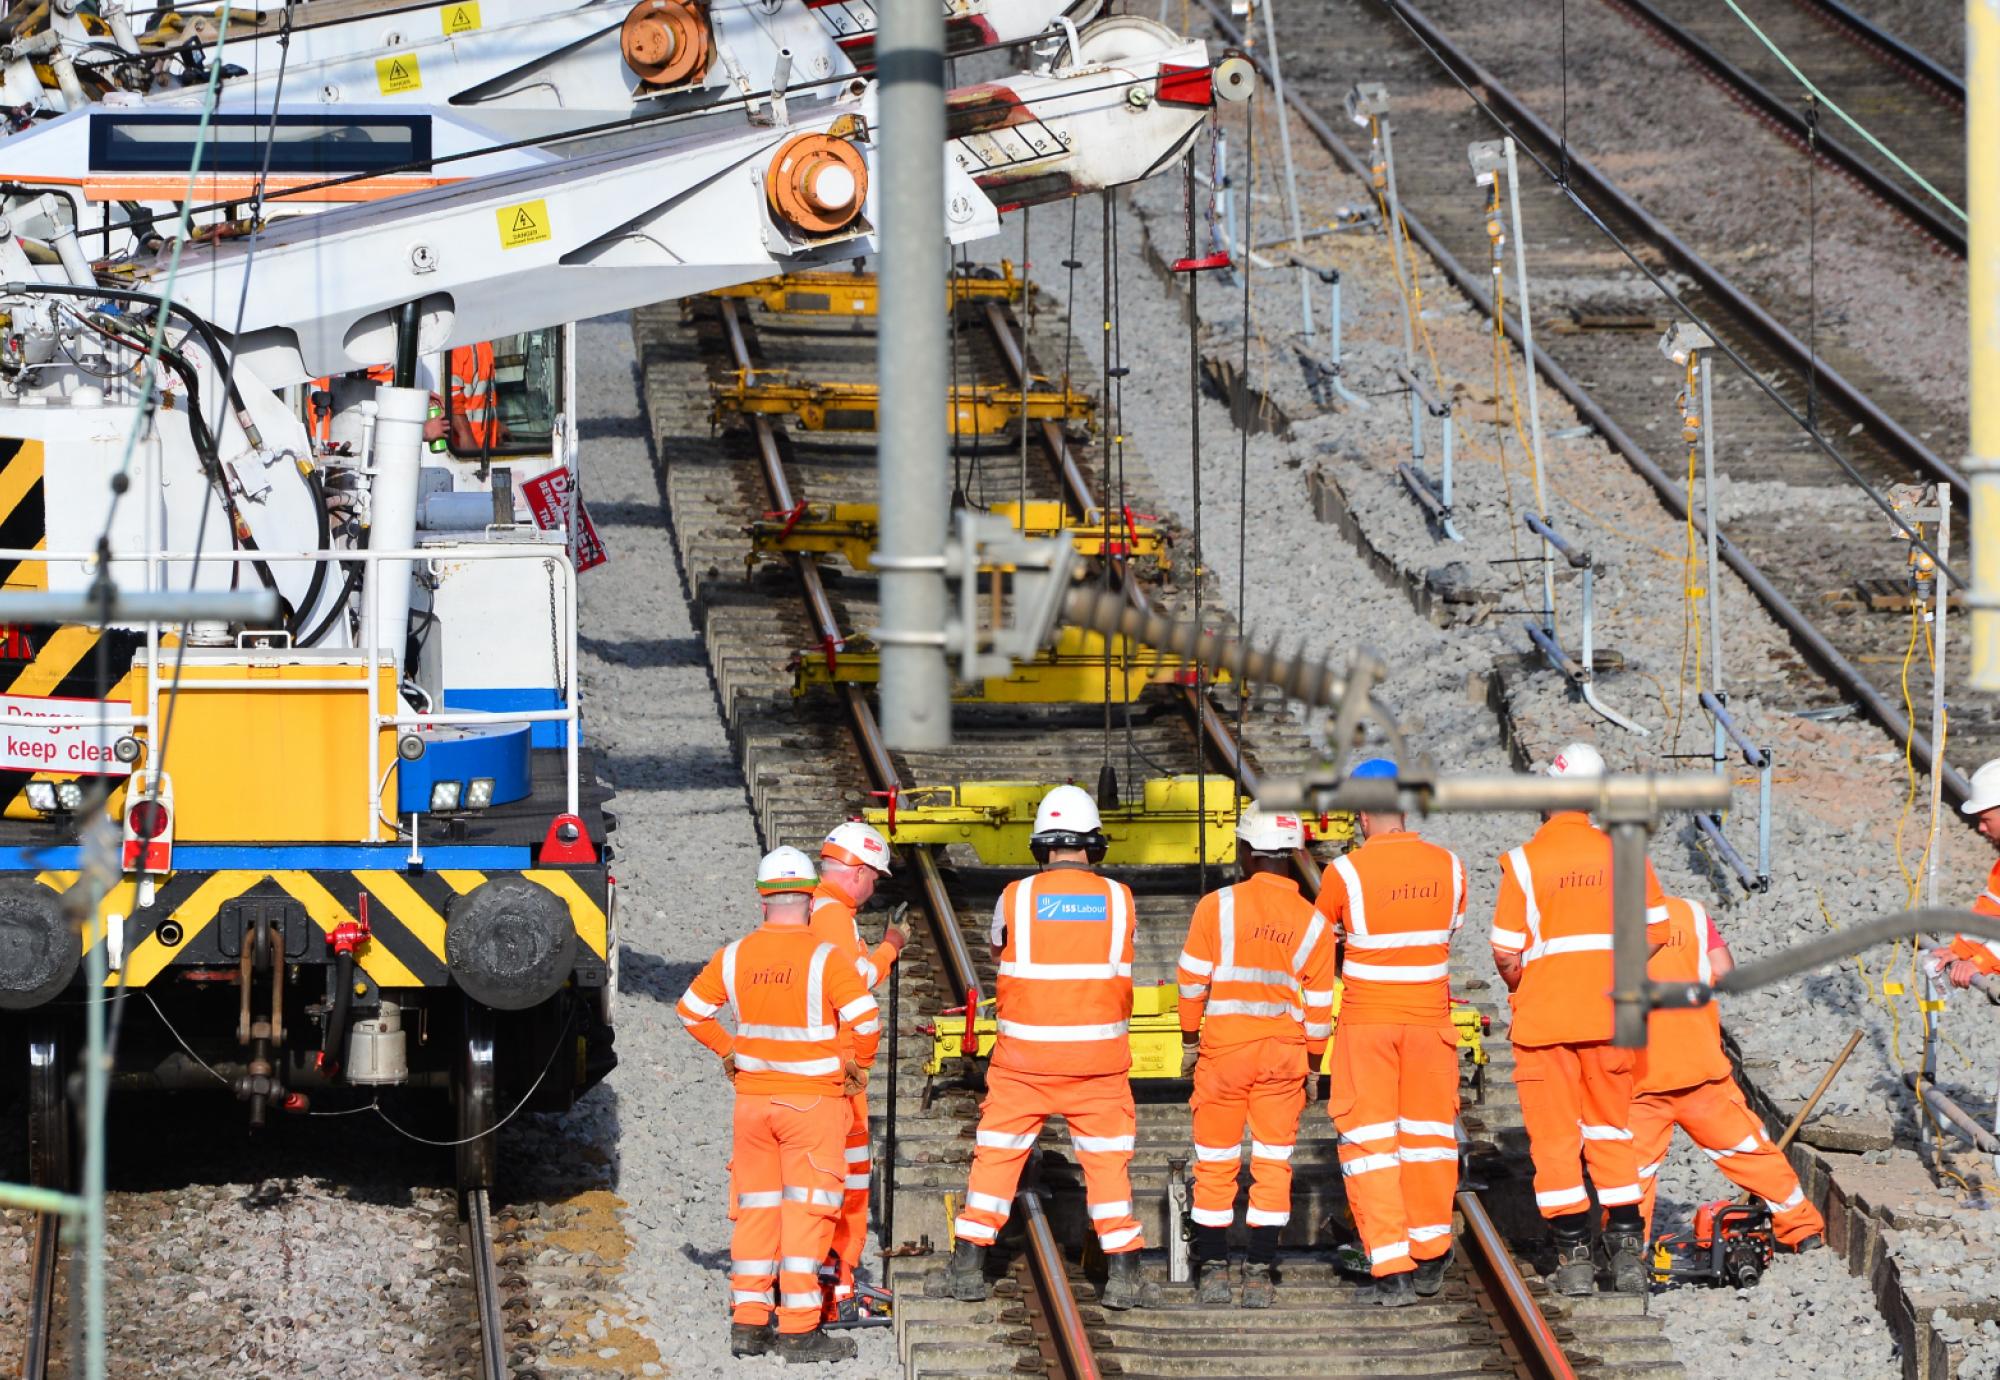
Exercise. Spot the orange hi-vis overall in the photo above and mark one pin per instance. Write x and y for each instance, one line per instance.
(1394, 904)
(1685, 1080)
(1984, 953)
(1063, 1000)
(792, 999)
(833, 923)
(472, 391)
(1256, 979)
(1555, 911)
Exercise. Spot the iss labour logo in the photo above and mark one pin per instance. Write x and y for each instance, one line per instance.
(1066, 908)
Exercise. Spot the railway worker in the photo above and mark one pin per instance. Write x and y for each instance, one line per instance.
(1552, 945)
(1394, 904)
(791, 998)
(1966, 957)
(1684, 1080)
(1062, 938)
(852, 860)
(1256, 1006)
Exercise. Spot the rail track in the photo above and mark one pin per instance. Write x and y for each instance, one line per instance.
(1828, 569)
(808, 760)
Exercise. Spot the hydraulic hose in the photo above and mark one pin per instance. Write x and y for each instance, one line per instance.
(330, 1056)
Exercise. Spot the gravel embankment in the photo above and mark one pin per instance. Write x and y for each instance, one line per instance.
(1936, 27)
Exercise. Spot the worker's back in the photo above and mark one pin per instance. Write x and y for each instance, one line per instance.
(1064, 994)
(789, 993)
(1683, 1047)
(1397, 901)
(1249, 953)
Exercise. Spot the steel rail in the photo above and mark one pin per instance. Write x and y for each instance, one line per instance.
(485, 1284)
(42, 1296)
(1892, 434)
(1525, 1324)
(1045, 1261)
(1914, 205)
(1811, 641)
(1868, 34)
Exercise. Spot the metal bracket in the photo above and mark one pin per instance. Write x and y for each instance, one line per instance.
(1042, 569)
(1581, 672)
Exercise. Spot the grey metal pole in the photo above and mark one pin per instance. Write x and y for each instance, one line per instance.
(1708, 502)
(1291, 170)
(1934, 1007)
(1396, 246)
(913, 474)
(1628, 934)
(1528, 368)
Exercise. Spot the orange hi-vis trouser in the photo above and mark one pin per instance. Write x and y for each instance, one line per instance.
(1103, 1125)
(1394, 1100)
(1718, 1120)
(1261, 1083)
(850, 1234)
(1577, 1103)
(786, 1177)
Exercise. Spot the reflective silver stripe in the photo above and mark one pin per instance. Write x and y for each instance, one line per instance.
(1368, 1164)
(1001, 1140)
(1265, 1217)
(1396, 1250)
(1100, 1145)
(1112, 1240)
(1215, 1153)
(1512, 941)
(1704, 971)
(825, 1197)
(729, 972)
(1531, 906)
(1319, 1030)
(800, 1265)
(750, 1296)
(791, 1300)
(1444, 1130)
(1308, 942)
(1568, 944)
(1647, 1171)
(803, 1068)
(689, 1021)
(1742, 1147)
(1457, 891)
(1064, 1034)
(1199, 966)
(1655, 914)
(1562, 1197)
(1315, 998)
(801, 1034)
(746, 1201)
(868, 1027)
(1024, 915)
(1798, 1195)
(1389, 972)
(858, 1008)
(820, 903)
(753, 1267)
(1192, 992)
(1603, 1132)
(867, 971)
(1121, 1208)
(1271, 977)
(1256, 1008)
(1374, 1130)
(1259, 1150)
(1120, 923)
(1350, 880)
(1225, 929)
(970, 1230)
(1621, 1196)
(987, 1202)
(1213, 1217)
(857, 1183)
(1065, 972)
(1431, 1154)
(697, 1005)
(857, 1154)
(1412, 939)
(1430, 1233)
(816, 983)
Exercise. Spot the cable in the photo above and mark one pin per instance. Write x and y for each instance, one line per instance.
(569, 1023)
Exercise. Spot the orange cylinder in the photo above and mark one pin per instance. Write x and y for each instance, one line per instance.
(665, 42)
(817, 183)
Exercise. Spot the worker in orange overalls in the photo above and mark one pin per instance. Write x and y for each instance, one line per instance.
(1684, 1079)
(1394, 904)
(1965, 957)
(851, 860)
(1063, 940)
(1552, 931)
(1256, 1004)
(472, 423)
(791, 998)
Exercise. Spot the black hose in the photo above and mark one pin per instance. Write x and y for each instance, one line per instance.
(336, 1019)
(353, 583)
(406, 345)
(324, 526)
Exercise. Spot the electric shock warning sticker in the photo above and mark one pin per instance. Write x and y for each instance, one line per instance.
(398, 72)
(461, 18)
(526, 223)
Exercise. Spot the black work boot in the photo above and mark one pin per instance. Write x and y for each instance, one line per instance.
(967, 1273)
(1576, 1274)
(1123, 1286)
(1211, 1264)
(1260, 1281)
(1397, 1290)
(1625, 1245)
(1815, 1242)
(1430, 1275)
(749, 1339)
(806, 1348)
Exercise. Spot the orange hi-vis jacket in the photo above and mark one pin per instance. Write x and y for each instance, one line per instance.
(1984, 953)
(1395, 903)
(472, 389)
(1257, 965)
(791, 996)
(1683, 1048)
(1064, 994)
(1555, 911)
(833, 923)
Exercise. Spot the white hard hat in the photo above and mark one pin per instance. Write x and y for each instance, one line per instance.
(785, 870)
(1578, 759)
(1985, 793)
(1067, 810)
(1270, 833)
(857, 845)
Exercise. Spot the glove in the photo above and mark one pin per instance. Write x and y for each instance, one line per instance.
(1190, 1053)
(853, 1078)
(898, 932)
(729, 1068)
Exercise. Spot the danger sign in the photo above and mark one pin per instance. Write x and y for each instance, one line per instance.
(527, 223)
(398, 72)
(462, 18)
(552, 498)
(58, 736)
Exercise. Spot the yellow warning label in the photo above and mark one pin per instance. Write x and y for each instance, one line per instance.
(1892, 989)
(461, 18)
(527, 223)
(398, 72)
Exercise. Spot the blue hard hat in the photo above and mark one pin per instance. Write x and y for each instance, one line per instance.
(1374, 769)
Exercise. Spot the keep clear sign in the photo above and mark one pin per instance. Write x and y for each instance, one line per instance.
(39, 734)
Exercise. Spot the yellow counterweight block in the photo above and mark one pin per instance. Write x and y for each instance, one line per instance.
(834, 292)
(849, 530)
(1169, 823)
(1074, 671)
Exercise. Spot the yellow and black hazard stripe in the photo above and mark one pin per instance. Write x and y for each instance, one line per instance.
(24, 521)
(198, 919)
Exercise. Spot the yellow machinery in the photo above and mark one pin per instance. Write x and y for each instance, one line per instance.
(976, 410)
(830, 292)
(1155, 1032)
(849, 530)
(1072, 672)
(1163, 827)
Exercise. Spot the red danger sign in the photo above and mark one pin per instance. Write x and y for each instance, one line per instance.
(554, 500)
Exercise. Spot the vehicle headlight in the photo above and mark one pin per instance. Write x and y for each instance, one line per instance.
(42, 796)
(444, 795)
(479, 793)
(69, 795)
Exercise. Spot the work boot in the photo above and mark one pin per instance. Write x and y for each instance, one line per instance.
(749, 1339)
(1123, 1287)
(1397, 1290)
(1627, 1250)
(1576, 1274)
(1260, 1285)
(1430, 1275)
(1815, 1242)
(806, 1348)
(967, 1274)
(1212, 1282)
